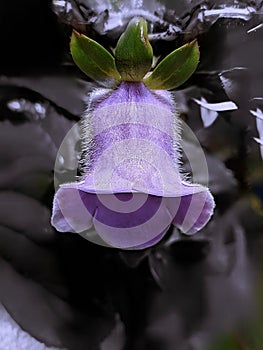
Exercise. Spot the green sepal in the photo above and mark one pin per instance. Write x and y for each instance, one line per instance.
(134, 52)
(93, 59)
(175, 68)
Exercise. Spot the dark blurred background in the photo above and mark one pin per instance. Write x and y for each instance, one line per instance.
(198, 293)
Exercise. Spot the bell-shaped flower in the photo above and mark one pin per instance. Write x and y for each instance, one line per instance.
(132, 190)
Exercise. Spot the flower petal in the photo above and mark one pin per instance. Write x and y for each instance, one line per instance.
(69, 213)
(195, 210)
(259, 121)
(131, 189)
(217, 107)
(151, 242)
(135, 229)
(208, 116)
(124, 220)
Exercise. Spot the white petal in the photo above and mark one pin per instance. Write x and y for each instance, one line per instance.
(254, 29)
(217, 107)
(208, 116)
(259, 115)
(260, 141)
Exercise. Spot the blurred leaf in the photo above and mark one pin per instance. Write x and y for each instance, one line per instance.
(25, 215)
(116, 339)
(212, 169)
(232, 81)
(36, 261)
(11, 334)
(134, 52)
(28, 152)
(47, 311)
(49, 318)
(227, 343)
(215, 261)
(174, 69)
(93, 59)
(66, 92)
(28, 139)
(252, 331)
(133, 258)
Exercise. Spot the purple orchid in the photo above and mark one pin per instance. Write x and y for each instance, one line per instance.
(132, 190)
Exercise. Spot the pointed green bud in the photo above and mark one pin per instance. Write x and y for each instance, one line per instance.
(93, 59)
(174, 69)
(134, 52)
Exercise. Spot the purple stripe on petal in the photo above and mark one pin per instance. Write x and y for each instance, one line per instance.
(182, 210)
(194, 212)
(124, 197)
(114, 217)
(153, 241)
(135, 236)
(205, 215)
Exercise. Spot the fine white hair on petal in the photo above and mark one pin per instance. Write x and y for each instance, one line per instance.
(87, 128)
(177, 141)
(97, 95)
(88, 146)
(177, 132)
(87, 143)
